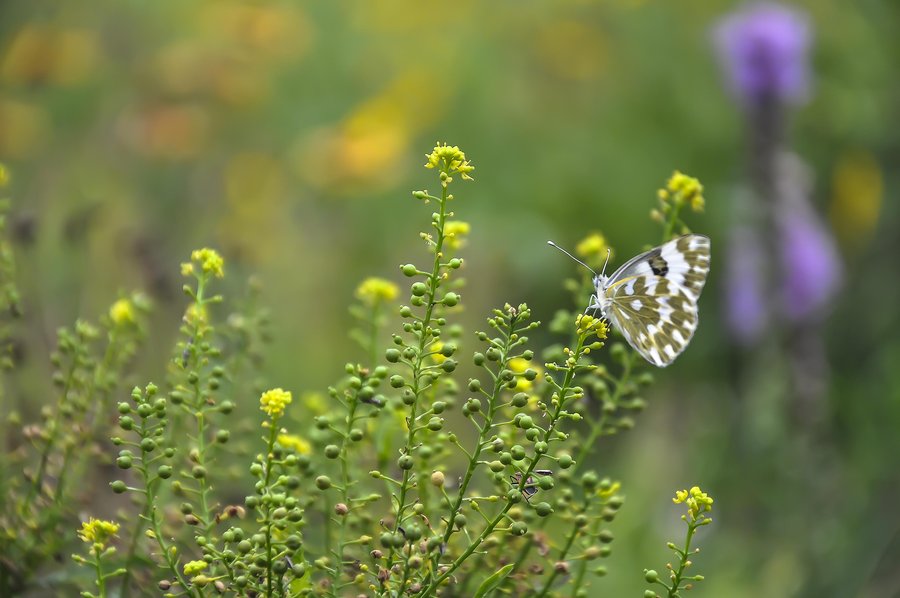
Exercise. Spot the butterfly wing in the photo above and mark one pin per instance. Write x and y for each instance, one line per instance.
(652, 298)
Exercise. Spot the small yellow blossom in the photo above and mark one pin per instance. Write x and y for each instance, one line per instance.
(187, 269)
(194, 567)
(586, 324)
(455, 233)
(681, 189)
(608, 491)
(97, 531)
(122, 312)
(437, 357)
(4, 176)
(593, 249)
(375, 290)
(449, 159)
(210, 261)
(196, 314)
(274, 401)
(696, 500)
(291, 441)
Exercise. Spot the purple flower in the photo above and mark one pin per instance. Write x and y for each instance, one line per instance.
(763, 49)
(746, 310)
(812, 269)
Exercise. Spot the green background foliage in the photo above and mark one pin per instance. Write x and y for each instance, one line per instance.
(288, 135)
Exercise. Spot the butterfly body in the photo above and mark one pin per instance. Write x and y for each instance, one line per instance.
(652, 298)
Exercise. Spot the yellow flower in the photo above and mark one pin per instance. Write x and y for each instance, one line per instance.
(195, 314)
(586, 325)
(681, 189)
(274, 401)
(449, 159)
(300, 445)
(455, 233)
(696, 500)
(97, 531)
(194, 567)
(187, 269)
(593, 249)
(4, 176)
(122, 312)
(436, 346)
(373, 291)
(210, 261)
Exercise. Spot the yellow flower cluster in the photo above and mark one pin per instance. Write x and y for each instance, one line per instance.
(455, 233)
(122, 312)
(375, 290)
(194, 567)
(593, 249)
(681, 189)
(586, 324)
(209, 261)
(97, 531)
(449, 159)
(290, 441)
(4, 176)
(697, 501)
(274, 401)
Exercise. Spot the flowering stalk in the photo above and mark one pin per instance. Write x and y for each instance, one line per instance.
(565, 393)
(98, 533)
(698, 503)
(449, 161)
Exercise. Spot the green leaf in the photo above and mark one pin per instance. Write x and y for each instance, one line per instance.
(490, 584)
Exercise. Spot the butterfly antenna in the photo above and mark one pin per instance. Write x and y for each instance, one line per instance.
(552, 244)
(606, 263)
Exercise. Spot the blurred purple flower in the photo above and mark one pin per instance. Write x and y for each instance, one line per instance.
(745, 305)
(810, 262)
(763, 49)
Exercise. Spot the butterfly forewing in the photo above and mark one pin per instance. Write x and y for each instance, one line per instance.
(652, 299)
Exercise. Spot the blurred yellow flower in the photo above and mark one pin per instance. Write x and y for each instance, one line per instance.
(300, 445)
(209, 260)
(857, 196)
(122, 312)
(373, 291)
(274, 401)
(593, 249)
(42, 54)
(194, 567)
(455, 233)
(681, 189)
(4, 176)
(97, 531)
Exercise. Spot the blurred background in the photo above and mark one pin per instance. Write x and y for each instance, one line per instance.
(289, 136)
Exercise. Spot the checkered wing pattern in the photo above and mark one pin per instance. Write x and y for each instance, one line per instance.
(652, 298)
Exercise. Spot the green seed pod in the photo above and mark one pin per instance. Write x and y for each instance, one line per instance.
(565, 460)
(356, 434)
(450, 299)
(409, 270)
(397, 381)
(439, 406)
(118, 486)
(164, 471)
(460, 521)
(496, 466)
(332, 451)
(543, 509)
(323, 482)
(392, 355)
(418, 289)
(435, 424)
(518, 528)
(520, 399)
(405, 462)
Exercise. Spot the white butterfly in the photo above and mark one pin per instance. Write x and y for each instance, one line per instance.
(652, 298)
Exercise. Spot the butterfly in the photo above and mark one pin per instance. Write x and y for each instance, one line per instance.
(652, 298)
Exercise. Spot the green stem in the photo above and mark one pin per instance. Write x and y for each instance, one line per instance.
(345, 489)
(682, 565)
(424, 337)
(267, 515)
(98, 567)
(431, 588)
(132, 551)
(562, 557)
(482, 439)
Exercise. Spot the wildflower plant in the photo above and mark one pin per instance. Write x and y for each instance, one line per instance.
(698, 504)
(403, 479)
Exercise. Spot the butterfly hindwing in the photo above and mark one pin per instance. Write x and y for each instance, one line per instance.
(652, 298)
